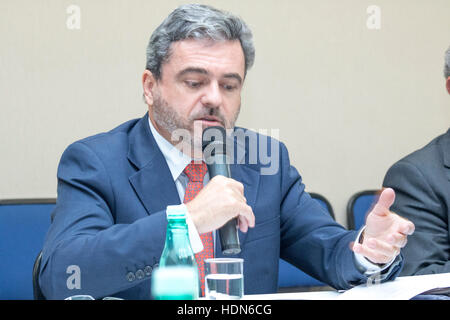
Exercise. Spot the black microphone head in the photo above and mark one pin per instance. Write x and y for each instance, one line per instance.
(215, 138)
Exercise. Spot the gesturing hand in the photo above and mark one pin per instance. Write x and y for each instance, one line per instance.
(385, 233)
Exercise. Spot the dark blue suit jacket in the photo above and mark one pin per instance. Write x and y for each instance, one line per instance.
(110, 222)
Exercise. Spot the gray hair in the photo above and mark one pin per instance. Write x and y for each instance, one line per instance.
(447, 64)
(194, 21)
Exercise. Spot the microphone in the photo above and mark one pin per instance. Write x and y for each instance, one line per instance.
(217, 161)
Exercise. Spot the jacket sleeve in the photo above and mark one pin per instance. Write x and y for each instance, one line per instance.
(428, 248)
(313, 241)
(84, 236)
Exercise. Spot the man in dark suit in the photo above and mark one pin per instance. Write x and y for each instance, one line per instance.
(421, 181)
(108, 227)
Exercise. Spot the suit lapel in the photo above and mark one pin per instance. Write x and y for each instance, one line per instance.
(152, 182)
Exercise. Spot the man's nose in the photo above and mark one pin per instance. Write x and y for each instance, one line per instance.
(212, 97)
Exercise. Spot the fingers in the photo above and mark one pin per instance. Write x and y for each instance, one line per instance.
(246, 218)
(376, 251)
(371, 254)
(244, 212)
(385, 244)
(398, 240)
(407, 228)
(402, 225)
(242, 224)
(379, 251)
(235, 188)
(228, 182)
(384, 202)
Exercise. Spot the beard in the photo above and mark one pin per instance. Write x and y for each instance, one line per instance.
(183, 132)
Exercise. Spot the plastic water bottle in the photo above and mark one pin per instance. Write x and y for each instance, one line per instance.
(177, 275)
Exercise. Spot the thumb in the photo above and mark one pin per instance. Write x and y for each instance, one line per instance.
(384, 202)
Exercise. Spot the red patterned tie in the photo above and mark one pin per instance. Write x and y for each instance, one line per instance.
(196, 172)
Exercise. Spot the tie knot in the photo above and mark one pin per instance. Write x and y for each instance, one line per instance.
(196, 171)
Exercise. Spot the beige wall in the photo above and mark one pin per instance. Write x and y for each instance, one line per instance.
(348, 101)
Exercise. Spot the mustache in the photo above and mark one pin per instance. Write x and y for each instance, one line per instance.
(211, 112)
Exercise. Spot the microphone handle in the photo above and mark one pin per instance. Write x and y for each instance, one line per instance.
(228, 233)
(229, 239)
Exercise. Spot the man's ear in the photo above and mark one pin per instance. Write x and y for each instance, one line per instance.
(148, 82)
(448, 85)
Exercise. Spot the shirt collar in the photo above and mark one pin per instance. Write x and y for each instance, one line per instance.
(176, 160)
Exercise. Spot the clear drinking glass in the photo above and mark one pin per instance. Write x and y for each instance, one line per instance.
(224, 278)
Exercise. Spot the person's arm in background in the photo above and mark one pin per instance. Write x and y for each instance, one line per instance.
(428, 249)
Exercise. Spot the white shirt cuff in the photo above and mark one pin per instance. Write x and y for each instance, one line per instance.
(363, 262)
(194, 236)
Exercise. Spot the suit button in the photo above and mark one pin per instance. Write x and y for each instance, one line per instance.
(148, 271)
(140, 274)
(130, 276)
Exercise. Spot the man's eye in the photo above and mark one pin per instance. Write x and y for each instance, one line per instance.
(229, 87)
(193, 84)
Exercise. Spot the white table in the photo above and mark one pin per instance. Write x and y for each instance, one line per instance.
(313, 295)
(402, 288)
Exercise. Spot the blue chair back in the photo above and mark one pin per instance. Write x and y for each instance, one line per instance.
(358, 206)
(23, 225)
(289, 275)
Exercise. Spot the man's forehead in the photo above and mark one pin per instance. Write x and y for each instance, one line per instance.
(226, 56)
